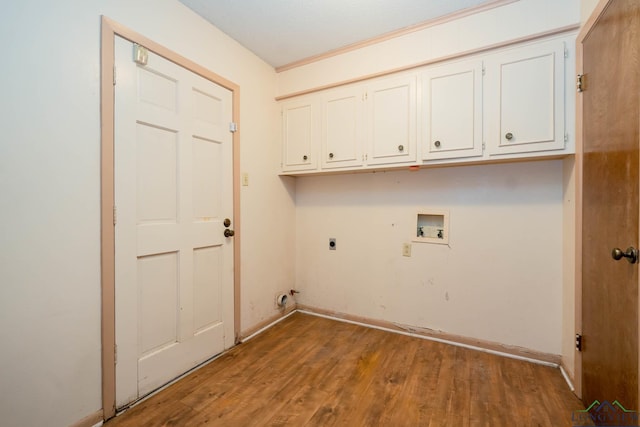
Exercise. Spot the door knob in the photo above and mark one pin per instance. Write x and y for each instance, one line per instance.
(227, 222)
(229, 233)
(631, 254)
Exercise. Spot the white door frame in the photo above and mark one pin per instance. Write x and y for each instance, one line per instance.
(110, 29)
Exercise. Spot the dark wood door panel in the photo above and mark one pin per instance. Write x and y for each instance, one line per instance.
(610, 205)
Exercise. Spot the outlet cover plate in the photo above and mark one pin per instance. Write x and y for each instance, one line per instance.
(406, 249)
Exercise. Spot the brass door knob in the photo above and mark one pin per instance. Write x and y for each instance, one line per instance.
(509, 136)
(229, 233)
(631, 254)
(400, 147)
(437, 144)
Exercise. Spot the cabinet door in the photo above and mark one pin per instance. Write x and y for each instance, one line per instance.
(391, 121)
(300, 135)
(451, 111)
(525, 99)
(342, 128)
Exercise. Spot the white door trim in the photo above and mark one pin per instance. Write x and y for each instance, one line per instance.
(110, 29)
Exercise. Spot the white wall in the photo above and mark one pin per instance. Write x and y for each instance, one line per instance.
(500, 278)
(50, 186)
(569, 267)
(496, 292)
(509, 22)
(586, 8)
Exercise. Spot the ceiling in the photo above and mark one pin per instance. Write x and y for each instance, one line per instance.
(285, 31)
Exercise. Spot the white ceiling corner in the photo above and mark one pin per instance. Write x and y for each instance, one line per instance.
(285, 31)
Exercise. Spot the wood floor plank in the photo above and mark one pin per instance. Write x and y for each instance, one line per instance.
(351, 384)
(229, 389)
(269, 385)
(391, 385)
(300, 408)
(417, 402)
(311, 371)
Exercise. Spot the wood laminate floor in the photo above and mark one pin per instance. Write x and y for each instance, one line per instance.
(311, 371)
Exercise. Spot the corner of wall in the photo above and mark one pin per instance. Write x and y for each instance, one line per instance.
(568, 265)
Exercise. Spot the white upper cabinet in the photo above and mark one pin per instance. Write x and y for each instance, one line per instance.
(510, 103)
(391, 121)
(300, 134)
(451, 111)
(525, 99)
(342, 129)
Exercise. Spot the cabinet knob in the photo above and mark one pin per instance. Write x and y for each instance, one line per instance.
(305, 157)
(509, 136)
(437, 143)
(331, 155)
(400, 147)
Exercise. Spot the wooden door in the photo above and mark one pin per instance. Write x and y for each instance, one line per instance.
(391, 121)
(451, 113)
(610, 205)
(173, 190)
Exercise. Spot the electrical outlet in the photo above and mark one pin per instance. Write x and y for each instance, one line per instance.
(332, 244)
(406, 249)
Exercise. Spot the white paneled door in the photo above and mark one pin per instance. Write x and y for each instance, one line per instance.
(173, 191)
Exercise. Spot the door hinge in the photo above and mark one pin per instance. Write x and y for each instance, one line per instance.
(580, 83)
(115, 354)
(114, 75)
(483, 146)
(578, 342)
(566, 52)
(115, 215)
(566, 139)
(233, 127)
(484, 70)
